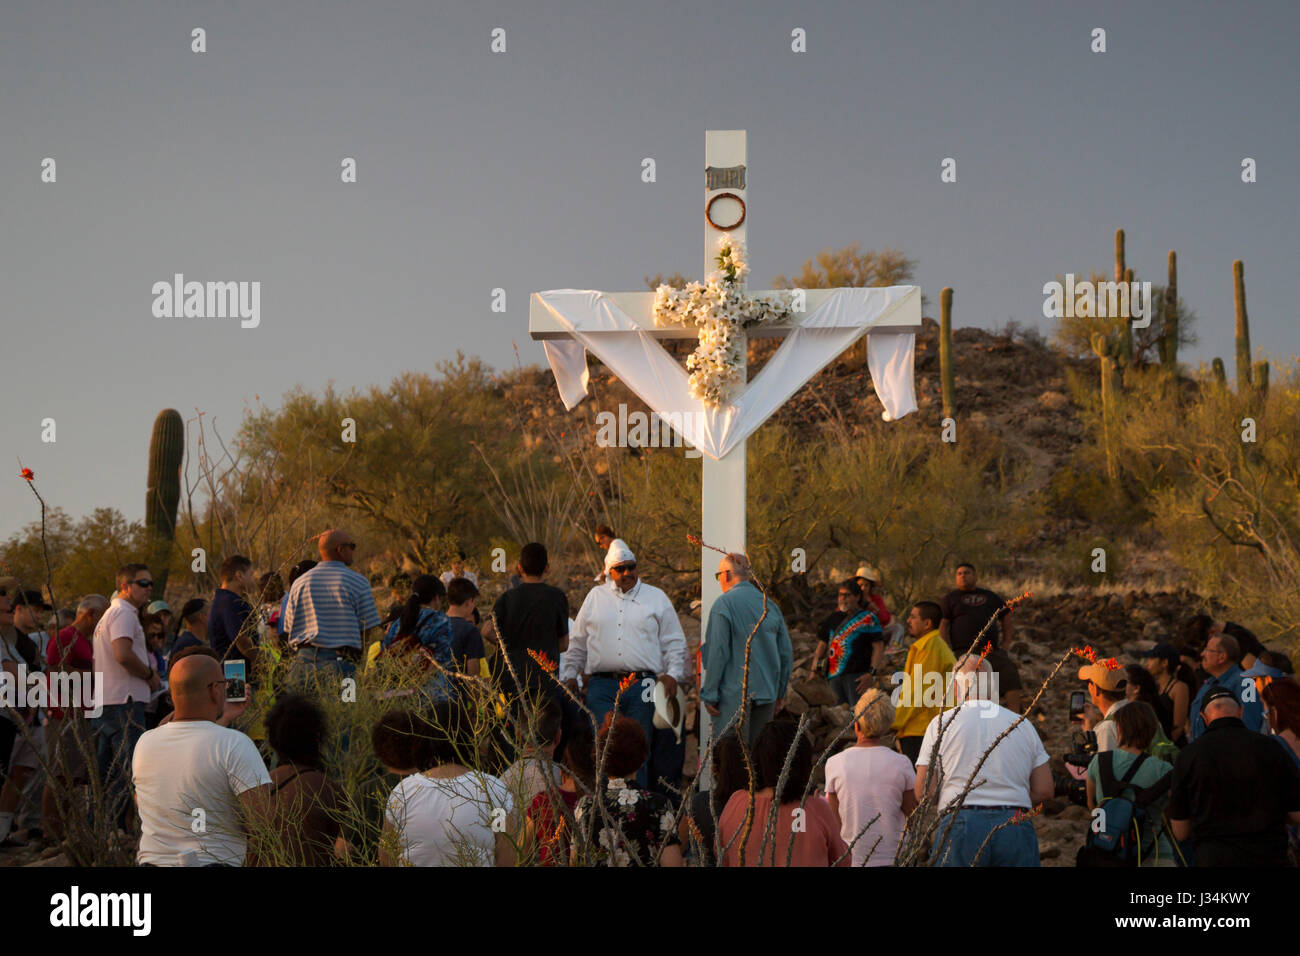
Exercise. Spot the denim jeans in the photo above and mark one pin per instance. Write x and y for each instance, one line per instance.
(310, 660)
(961, 835)
(117, 730)
(600, 700)
(846, 687)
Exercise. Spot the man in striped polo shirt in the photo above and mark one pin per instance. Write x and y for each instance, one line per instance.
(329, 610)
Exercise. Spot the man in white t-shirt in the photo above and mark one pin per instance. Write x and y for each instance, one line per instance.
(1106, 691)
(458, 571)
(1015, 776)
(192, 775)
(122, 656)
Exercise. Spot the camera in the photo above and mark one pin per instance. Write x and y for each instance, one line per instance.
(1071, 784)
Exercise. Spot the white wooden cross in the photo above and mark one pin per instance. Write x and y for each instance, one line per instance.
(722, 504)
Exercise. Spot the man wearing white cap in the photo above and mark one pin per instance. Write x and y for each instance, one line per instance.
(625, 628)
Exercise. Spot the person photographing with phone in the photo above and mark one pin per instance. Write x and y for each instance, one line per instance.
(192, 764)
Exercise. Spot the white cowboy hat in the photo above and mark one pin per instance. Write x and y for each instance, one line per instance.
(670, 712)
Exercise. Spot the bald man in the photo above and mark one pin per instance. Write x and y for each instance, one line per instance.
(1234, 790)
(329, 611)
(196, 781)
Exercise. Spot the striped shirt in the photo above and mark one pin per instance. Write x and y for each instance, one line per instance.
(329, 606)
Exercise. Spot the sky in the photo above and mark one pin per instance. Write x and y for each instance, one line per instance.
(522, 171)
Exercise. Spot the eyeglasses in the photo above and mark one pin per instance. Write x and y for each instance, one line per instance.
(216, 682)
(847, 594)
(348, 544)
(143, 584)
(717, 575)
(624, 568)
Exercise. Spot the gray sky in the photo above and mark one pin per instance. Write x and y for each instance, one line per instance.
(522, 170)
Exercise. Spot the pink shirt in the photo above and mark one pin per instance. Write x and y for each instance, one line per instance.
(817, 844)
(869, 783)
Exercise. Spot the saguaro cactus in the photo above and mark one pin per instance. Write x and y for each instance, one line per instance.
(1220, 373)
(1261, 378)
(163, 492)
(1124, 353)
(945, 353)
(1169, 340)
(1105, 348)
(1243, 325)
(1119, 255)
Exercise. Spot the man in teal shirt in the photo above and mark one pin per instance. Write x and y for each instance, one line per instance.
(771, 656)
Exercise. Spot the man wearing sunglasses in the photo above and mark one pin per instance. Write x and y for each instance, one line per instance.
(771, 656)
(121, 654)
(626, 628)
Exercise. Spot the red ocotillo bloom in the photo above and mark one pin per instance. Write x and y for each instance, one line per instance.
(544, 662)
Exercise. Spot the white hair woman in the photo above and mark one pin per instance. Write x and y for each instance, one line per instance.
(870, 785)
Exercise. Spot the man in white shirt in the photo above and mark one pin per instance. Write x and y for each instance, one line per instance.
(192, 775)
(458, 571)
(625, 630)
(1106, 687)
(122, 656)
(1015, 776)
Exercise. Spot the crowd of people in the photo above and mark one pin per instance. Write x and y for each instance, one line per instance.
(1191, 755)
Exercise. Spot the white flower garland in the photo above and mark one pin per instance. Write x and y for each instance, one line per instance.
(720, 310)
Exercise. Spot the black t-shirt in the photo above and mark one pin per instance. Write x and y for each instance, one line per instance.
(966, 613)
(227, 616)
(466, 641)
(828, 625)
(532, 617)
(1236, 787)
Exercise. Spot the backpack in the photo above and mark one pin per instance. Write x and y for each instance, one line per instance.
(1118, 842)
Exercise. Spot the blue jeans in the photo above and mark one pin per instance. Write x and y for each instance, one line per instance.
(307, 660)
(846, 687)
(117, 730)
(961, 835)
(600, 700)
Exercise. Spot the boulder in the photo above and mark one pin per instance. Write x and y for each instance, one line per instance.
(795, 703)
(816, 692)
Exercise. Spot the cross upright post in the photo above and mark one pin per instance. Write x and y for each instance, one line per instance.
(722, 487)
(620, 328)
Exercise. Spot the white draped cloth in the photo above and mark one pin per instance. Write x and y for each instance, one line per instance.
(598, 325)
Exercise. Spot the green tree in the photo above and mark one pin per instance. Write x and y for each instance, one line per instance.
(850, 266)
(1074, 332)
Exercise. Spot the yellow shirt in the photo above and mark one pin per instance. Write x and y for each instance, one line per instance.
(930, 655)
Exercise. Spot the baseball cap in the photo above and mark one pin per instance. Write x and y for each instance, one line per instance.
(157, 607)
(1218, 693)
(32, 599)
(868, 572)
(1104, 677)
(1166, 652)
